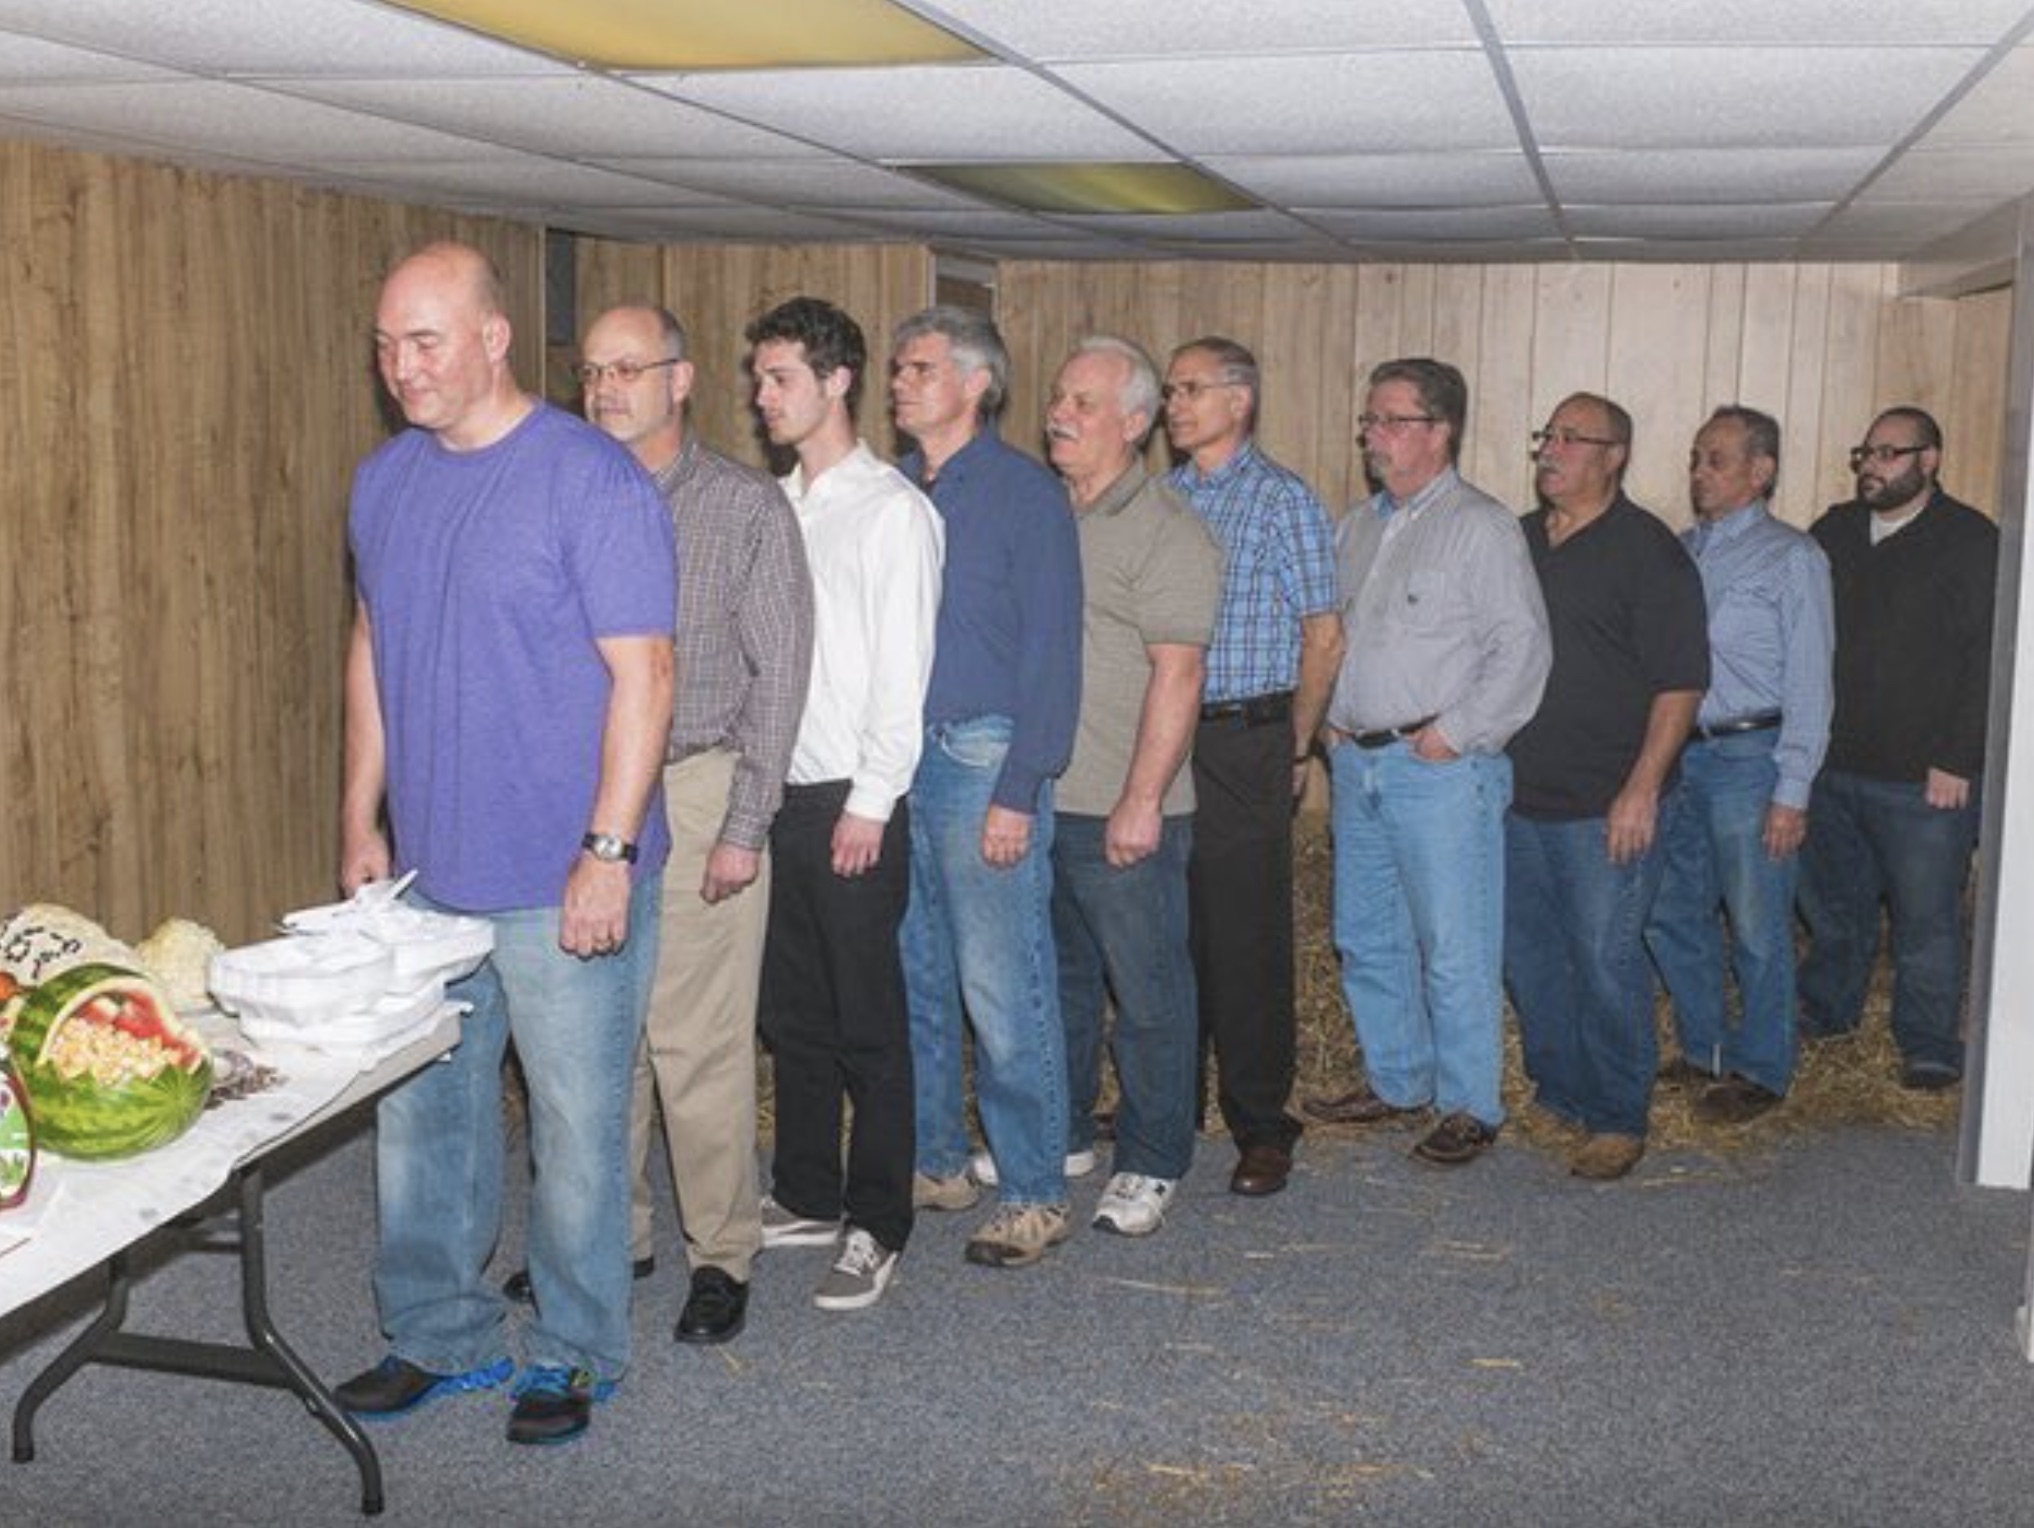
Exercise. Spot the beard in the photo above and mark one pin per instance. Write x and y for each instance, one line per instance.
(1891, 493)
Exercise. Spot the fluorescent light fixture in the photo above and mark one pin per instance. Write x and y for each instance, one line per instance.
(1149, 188)
(652, 35)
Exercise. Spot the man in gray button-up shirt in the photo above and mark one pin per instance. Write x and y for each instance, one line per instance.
(1447, 654)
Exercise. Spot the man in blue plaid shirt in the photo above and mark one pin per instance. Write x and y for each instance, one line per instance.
(1278, 643)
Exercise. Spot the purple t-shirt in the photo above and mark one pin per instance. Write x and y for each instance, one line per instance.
(487, 577)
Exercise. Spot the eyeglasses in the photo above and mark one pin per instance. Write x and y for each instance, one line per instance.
(1564, 436)
(1190, 389)
(1392, 421)
(590, 375)
(1885, 456)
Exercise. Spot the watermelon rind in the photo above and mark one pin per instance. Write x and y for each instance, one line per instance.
(82, 1117)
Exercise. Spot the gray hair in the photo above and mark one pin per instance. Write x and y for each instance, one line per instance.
(1140, 389)
(1237, 365)
(976, 344)
(1761, 433)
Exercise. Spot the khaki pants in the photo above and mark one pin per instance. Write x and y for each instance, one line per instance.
(699, 1048)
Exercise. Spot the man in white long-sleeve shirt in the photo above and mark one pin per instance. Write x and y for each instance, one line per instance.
(833, 1009)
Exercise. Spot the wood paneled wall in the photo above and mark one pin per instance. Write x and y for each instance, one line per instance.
(1822, 347)
(188, 388)
(717, 289)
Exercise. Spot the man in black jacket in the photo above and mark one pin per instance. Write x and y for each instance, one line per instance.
(1896, 807)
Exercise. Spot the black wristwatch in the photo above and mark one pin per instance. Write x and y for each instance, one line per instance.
(607, 847)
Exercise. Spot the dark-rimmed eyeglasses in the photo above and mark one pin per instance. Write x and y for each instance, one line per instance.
(1393, 421)
(1885, 456)
(590, 375)
(1564, 436)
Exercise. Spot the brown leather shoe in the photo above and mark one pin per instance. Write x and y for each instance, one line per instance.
(1262, 1169)
(1683, 1073)
(1734, 1101)
(1457, 1141)
(1359, 1106)
(1606, 1157)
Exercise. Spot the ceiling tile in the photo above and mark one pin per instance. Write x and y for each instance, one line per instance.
(1213, 227)
(810, 182)
(529, 180)
(580, 116)
(260, 36)
(724, 224)
(1981, 174)
(30, 61)
(1688, 251)
(1745, 98)
(1996, 109)
(1707, 175)
(213, 117)
(1740, 23)
(974, 223)
(1436, 224)
(1765, 220)
(1381, 180)
(1308, 105)
(964, 112)
(1080, 29)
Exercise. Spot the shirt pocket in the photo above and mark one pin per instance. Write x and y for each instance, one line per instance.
(1426, 600)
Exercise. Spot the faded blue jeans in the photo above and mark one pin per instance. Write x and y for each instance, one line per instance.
(1419, 922)
(1123, 932)
(439, 1160)
(1717, 867)
(1575, 955)
(977, 943)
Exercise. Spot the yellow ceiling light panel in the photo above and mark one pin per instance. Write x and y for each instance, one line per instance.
(1094, 188)
(709, 34)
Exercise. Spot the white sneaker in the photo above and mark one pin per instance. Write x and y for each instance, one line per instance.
(782, 1228)
(1134, 1205)
(982, 1166)
(858, 1276)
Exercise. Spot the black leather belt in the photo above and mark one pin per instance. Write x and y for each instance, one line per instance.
(1383, 737)
(1257, 711)
(1763, 721)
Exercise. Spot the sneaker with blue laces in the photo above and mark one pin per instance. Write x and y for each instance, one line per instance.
(554, 1404)
(395, 1387)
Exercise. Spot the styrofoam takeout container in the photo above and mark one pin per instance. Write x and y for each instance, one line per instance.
(426, 945)
(302, 980)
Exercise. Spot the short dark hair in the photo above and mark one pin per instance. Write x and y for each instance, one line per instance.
(1237, 364)
(974, 341)
(832, 340)
(1443, 392)
(1924, 424)
(1761, 434)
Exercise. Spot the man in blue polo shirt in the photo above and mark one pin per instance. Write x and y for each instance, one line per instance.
(999, 725)
(1278, 642)
(1745, 776)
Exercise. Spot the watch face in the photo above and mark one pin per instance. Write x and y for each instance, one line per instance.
(605, 846)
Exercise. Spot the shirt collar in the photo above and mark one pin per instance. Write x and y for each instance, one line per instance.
(1120, 492)
(1443, 481)
(1191, 475)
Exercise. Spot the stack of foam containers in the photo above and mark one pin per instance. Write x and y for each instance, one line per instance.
(352, 975)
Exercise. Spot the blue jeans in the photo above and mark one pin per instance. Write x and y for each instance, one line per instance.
(1419, 922)
(1124, 933)
(1575, 955)
(1716, 858)
(1874, 840)
(978, 938)
(439, 1159)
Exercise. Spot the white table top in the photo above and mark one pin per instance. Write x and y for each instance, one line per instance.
(78, 1214)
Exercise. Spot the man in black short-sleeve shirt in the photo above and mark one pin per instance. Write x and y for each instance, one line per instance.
(1593, 783)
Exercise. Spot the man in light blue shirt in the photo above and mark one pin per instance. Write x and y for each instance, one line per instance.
(1759, 739)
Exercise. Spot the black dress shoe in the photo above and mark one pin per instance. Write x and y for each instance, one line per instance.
(516, 1286)
(396, 1386)
(716, 1309)
(553, 1405)
(1261, 1170)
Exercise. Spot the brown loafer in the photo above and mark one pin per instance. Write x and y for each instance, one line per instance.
(1261, 1170)
(1457, 1141)
(1359, 1106)
(1734, 1101)
(1606, 1157)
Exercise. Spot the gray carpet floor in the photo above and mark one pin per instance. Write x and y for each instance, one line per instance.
(1820, 1334)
